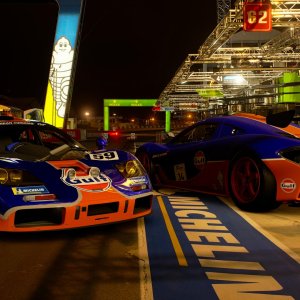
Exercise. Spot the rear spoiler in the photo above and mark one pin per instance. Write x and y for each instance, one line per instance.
(281, 119)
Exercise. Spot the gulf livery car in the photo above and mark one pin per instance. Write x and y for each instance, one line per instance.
(49, 181)
(253, 159)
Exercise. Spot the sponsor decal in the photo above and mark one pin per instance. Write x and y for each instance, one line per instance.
(288, 185)
(218, 254)
(87, 183)
(141, 179)
(199, 160)
(107, 155)
(10, 160)
(15, 123)
(221, 179)
(135, 181)
(159, 155)
(180, 173)
(26, 190)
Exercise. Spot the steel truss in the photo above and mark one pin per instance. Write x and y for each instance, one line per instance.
(225, 52)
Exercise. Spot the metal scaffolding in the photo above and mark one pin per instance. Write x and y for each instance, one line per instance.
(223, 7)
(259, 58)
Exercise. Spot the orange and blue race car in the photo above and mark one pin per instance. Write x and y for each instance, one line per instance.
(253, 159)
(49, 181)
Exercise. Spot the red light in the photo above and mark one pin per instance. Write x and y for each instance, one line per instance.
(114, 133)
(156, 108)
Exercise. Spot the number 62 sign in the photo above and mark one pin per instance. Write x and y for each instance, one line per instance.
(257, 15)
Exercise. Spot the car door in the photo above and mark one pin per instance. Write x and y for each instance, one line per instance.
(186, 164)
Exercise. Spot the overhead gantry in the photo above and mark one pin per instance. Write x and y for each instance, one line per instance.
(233, 66)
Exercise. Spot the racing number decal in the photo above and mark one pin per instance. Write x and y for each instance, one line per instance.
(257, 16)
(108, 155)
(180, 173)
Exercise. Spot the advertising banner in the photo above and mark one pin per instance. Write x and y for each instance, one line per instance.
(62, 63)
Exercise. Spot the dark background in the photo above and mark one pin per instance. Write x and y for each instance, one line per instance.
(128, 49)
(27, 31)
(132, 49)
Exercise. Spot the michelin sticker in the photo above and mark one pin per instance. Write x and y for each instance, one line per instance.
(27, 190)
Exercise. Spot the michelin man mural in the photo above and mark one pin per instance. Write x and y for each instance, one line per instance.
(60, 73)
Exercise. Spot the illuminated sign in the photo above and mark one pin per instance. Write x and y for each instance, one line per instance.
(257, 15)
(61, 69)
(129, 102)
(209, 93)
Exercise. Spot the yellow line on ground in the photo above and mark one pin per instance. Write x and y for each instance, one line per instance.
(176, 245)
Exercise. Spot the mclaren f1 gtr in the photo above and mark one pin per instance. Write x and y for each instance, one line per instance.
(50, 181)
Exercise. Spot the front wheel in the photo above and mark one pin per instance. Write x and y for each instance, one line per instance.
(252, 185)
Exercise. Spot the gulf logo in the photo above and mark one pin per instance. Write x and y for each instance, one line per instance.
(288, 185)
(87, 183)
(199, 160)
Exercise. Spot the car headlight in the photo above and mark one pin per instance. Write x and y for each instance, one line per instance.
(3, 176)
(94, 172)
(15, 176)
(71, 173)
(10, 176)
(129, 169)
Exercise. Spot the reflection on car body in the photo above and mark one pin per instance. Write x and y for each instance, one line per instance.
(241, 156)
(49, 181)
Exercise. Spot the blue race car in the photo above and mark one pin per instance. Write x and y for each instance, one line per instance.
(49, 181)
(253, 159)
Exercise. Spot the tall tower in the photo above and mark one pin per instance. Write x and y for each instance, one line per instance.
(222, 8)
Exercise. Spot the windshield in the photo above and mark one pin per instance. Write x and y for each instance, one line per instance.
(39, 139)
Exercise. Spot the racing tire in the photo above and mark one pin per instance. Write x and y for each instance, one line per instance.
(146, 161)
(252, 186)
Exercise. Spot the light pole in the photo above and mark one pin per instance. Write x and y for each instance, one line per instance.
(87, 114)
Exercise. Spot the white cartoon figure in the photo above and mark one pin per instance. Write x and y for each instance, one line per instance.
(60, 73)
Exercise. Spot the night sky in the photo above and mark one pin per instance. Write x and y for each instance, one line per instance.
(132, 49)
(128, 49)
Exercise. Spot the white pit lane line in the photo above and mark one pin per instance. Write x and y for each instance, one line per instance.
(145, 274)
(281, 226)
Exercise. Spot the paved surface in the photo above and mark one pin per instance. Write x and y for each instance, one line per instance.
(89, 264)
(110, 262)
(201, 248)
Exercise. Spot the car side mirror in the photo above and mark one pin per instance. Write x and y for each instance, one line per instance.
(101, 143)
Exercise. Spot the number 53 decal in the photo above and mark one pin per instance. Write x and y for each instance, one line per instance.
(257, 16)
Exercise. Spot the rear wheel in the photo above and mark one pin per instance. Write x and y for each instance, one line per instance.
(252, 185)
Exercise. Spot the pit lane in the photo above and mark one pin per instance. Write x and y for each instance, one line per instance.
(200, 246)
(138, 260)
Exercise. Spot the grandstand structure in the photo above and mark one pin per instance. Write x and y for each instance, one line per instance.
(237, 70)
